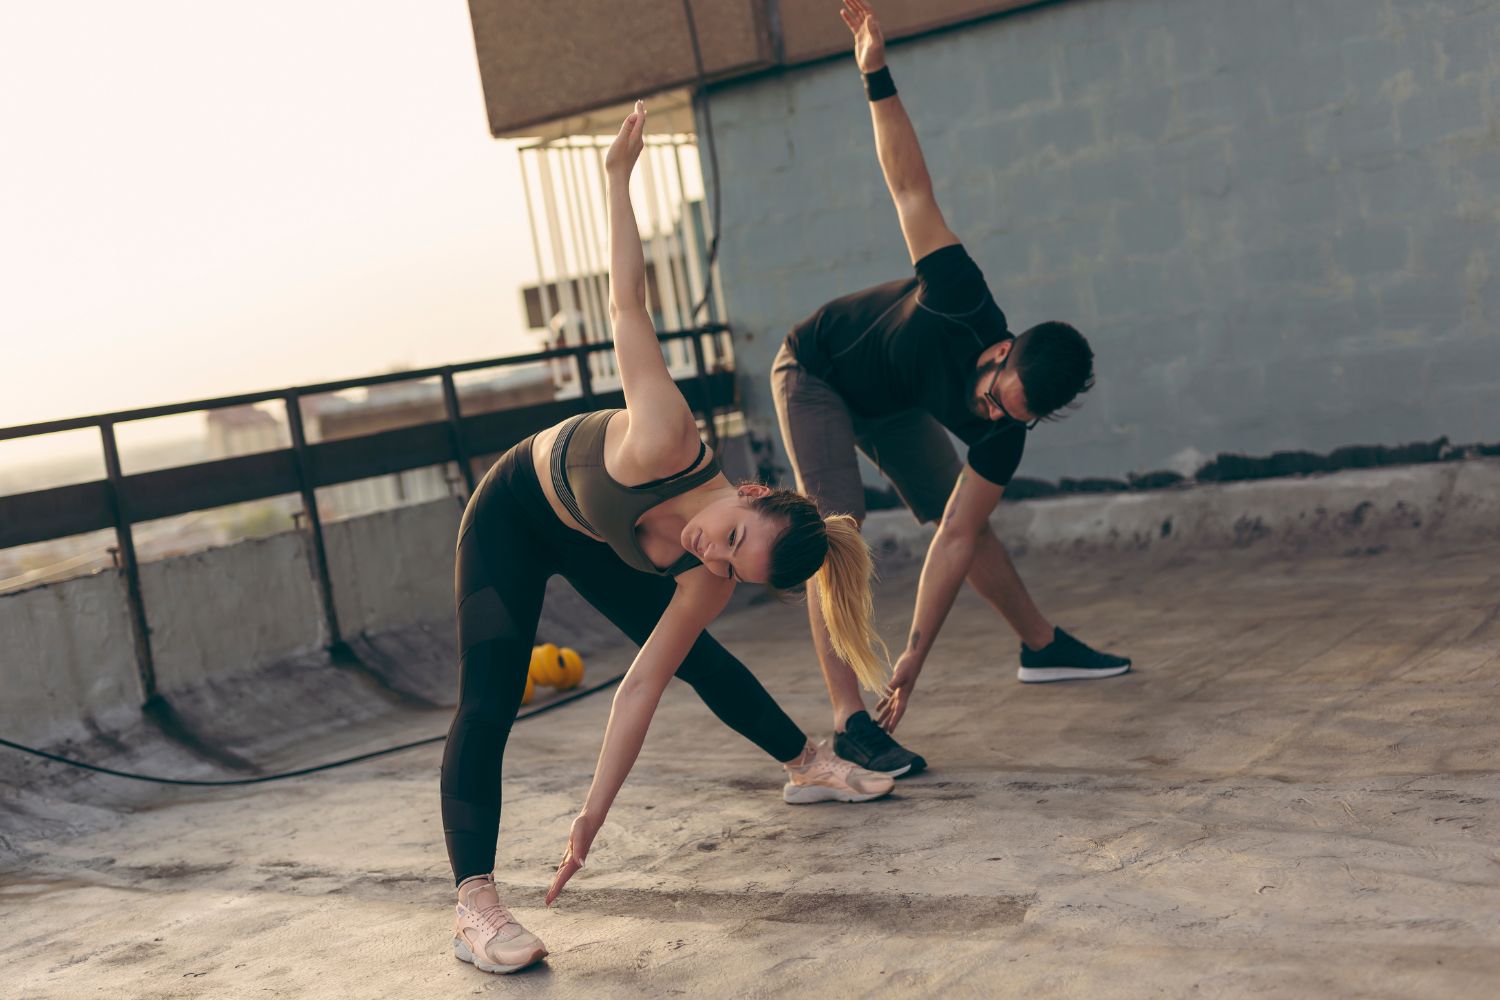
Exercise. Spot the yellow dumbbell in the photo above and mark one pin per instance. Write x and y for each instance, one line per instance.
(546, 666)
(572, 665)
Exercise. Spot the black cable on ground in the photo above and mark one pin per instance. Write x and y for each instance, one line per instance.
(261, 779)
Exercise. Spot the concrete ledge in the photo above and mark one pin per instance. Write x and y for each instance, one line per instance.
(66, 655)
(1343, 510)
(239, 641)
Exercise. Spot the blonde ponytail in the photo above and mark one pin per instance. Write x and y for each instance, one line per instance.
(848, 603)
(832, 549)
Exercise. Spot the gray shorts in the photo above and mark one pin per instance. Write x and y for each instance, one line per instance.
(910, 448)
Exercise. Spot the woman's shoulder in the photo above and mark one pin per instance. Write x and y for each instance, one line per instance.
(645, 454)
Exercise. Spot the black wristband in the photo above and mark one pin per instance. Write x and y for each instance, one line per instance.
(879, 85)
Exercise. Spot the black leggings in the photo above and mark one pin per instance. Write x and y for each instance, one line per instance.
(509, 544)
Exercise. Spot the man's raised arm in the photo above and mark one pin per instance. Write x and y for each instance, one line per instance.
(895, 140)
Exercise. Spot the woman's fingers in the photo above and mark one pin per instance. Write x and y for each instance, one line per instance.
(565, 871)
(850, 20)
(635, 120)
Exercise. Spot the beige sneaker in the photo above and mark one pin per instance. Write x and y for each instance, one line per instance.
(485, 933)
(830, 778)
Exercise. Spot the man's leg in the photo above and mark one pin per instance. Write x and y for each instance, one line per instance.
(1047, 653)
(996, 579)
(818, 432)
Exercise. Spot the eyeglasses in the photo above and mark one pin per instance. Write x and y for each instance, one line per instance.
(990, 395)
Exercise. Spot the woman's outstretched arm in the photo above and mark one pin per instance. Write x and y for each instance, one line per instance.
(698, 601)
(662, 428)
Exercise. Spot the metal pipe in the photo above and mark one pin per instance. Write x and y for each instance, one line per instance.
(314, 521)
(586, 227)
(594, 322)
(544, 294)
(316, 388)
(566, 291)
(683, 300)
(456, 430)
(145, 661)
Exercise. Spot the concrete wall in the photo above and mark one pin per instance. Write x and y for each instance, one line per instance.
(66, 654)
(394, 568)
(1350, 513)
(230, 611)
(1276, 221)
(239, 640)
(236, 631)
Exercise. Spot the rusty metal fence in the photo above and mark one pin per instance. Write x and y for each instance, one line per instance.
(119, 501)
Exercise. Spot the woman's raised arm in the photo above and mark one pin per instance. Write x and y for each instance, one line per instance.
(662, 428)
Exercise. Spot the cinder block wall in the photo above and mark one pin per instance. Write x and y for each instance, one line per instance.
(1276, 221)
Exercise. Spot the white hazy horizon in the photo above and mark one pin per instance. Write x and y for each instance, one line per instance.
(199, 199)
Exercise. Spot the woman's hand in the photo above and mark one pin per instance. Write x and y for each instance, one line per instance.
(869, 42)
(889, 709)
(580, 837)
(626, 149)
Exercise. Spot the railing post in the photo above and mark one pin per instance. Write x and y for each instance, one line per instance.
(144, 660)
(703, 394)
(456, 430)
(585, 376)
(314, 522)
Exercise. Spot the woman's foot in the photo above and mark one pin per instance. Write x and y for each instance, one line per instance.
(485, 933)
(820, 775)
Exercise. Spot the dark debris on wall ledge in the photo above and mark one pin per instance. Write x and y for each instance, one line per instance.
(1226, 468)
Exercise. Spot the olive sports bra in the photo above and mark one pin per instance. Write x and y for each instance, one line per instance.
(608, 508)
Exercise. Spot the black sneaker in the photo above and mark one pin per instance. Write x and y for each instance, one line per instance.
(1067, 659)
(866, 744)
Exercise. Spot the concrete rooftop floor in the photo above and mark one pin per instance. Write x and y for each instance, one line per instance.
(1294, 795)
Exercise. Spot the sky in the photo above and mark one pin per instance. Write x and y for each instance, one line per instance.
(200, 198)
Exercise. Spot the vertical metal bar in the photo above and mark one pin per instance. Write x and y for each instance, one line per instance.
(588, 228)
(566, 289)
(666, 295)
(691, 254)
(456, 431)
(709, 225)
(594, 321)
(544, 293)
(603, 176)
(703, 395)
(145, 662)
(675, 263)
(585, 377)
(293, 402)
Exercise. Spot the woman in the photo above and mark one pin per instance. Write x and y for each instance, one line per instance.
(660, 560)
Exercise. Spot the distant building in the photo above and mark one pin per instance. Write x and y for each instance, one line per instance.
(244, 430)
(404, 404)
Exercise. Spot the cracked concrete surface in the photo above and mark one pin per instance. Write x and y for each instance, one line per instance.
(1295, 795)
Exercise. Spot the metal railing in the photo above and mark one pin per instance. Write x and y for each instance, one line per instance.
(119, 501)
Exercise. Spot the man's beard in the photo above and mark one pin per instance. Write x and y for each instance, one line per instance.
(974, 401)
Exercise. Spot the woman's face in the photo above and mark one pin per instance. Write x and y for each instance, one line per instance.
(733, 540)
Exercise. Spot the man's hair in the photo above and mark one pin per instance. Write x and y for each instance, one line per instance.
(1054, 364)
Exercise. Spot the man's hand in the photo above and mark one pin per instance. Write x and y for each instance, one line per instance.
(580, 838)
(869, 42)
(626, 149)
(892, 707)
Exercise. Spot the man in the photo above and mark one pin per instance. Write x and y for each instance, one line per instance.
(886, 370)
